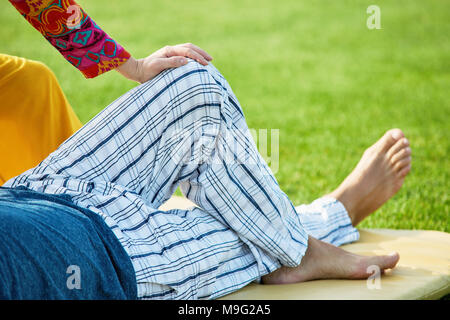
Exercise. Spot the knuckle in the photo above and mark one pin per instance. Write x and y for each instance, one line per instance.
(191, 53)
(167, 49)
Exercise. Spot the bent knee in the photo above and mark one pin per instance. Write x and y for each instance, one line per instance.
(188, 93)
(193, 76)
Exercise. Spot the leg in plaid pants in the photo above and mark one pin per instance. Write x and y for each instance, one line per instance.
(186, 128)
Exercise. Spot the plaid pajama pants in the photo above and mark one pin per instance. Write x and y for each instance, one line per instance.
(186, 128)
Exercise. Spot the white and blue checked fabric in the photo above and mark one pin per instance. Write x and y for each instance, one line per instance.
(186, 128)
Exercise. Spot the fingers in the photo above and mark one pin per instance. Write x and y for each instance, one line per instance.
(198, 49)
(189, 51)
(161, 64)
(170, 57)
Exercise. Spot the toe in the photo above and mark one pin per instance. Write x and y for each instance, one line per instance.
(397, 147)
(391, 260)
(389, 139)
(387, 261)
(371, 264)
(401, 163)
(403, 172)
(401, 154)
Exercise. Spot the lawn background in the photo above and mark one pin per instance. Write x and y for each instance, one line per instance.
(311, 69)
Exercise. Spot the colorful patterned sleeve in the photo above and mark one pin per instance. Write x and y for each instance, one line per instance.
(74, 34)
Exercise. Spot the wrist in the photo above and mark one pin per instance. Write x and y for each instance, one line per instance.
(130, 69)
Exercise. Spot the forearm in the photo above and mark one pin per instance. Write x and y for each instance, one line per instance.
(74, 34)
(78, 38)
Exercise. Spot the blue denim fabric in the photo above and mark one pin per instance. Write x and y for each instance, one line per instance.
(52, 249)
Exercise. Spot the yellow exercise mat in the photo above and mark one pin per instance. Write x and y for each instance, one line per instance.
(423, 271)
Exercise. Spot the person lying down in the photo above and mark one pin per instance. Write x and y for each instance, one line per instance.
(85, 223)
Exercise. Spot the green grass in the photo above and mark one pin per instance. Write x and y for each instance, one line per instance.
(311, 69)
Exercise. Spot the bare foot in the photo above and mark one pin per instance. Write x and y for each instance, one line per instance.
(325, 261)
(377, 177)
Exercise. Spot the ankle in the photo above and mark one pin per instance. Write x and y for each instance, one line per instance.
(344, 196)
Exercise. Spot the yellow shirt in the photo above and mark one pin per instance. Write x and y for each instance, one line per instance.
(35, 116)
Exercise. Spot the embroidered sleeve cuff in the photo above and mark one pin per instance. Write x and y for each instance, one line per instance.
(90, 49)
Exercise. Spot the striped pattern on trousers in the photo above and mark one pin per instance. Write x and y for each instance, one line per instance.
(185, 128)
